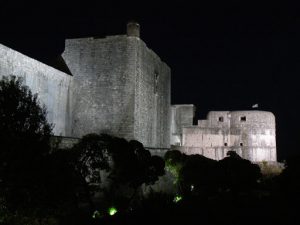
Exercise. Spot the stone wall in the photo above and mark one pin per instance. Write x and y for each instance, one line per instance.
(181, 116)
(250, 133)
(104, 81)
(52, 86)
(62, 142)
(152, 102)
(121, 88)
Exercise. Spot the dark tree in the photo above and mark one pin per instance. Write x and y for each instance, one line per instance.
(24, 138)
(133, 164)
(23, 121)
(199, 174)
(34, 184)
(89, 157)
(289, 180)
(129, 165)
(175, 160)
(237, 173)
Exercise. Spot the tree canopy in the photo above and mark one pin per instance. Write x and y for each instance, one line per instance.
(23, 121)
(127, 163)
(33, 183)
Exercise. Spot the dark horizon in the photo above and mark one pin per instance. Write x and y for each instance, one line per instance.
(225, 56)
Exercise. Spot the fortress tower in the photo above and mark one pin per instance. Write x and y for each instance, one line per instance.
(249, 133)
(118, 86)
(121, 87)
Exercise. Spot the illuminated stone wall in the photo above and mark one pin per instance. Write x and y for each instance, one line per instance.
(181, 116)
(250, 133)
(152, 98)
(121, 88)
(52, 86)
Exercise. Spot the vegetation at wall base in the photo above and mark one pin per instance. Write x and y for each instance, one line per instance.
(99, 180)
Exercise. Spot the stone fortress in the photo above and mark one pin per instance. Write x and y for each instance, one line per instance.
(121, 87)
(249, 133)
(117, 86)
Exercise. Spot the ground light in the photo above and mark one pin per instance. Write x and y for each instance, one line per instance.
(177, 198)
(112, 211)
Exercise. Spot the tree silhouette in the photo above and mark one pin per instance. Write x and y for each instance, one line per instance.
(128, 165)
(23, 121)
(199, 174)
(33, 183)
(237, 173)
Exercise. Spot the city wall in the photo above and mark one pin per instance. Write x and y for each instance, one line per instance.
(52, 86)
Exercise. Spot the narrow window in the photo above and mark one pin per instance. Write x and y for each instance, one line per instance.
(243, 118)
(221, 119)
(225, 144)
(241, 144)
(155, 81)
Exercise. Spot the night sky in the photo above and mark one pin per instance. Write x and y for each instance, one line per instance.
(223, 56)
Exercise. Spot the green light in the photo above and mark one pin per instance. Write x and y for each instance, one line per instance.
(112, 211)
(177, 198)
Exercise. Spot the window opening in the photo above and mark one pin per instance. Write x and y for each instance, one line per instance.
(243, 118)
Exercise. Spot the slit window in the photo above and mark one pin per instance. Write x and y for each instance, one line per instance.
(155, 81)
(225, 144)
(243, 118)
(241, 144)
(221, 119)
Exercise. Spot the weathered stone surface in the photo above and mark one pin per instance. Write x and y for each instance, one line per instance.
(61, 142)
(250, 133)
(121, 88)
(152, 99)
(181, 116)
(52, 86)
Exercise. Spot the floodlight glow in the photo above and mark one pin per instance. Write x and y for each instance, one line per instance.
(112, 211)
(177, 198)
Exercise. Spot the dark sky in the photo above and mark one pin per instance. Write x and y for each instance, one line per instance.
(223, 56)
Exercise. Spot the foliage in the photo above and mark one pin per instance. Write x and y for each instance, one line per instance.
(270, 170)
(174, 162)
(23, 121)
(289, 179)
(199, 173)
(35, 186)
(91, 156)
(237, 173)
(133, 165)
(24, 135)
(128, 164)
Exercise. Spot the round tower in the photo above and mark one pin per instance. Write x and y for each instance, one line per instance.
(133, 29)
(253, 135)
